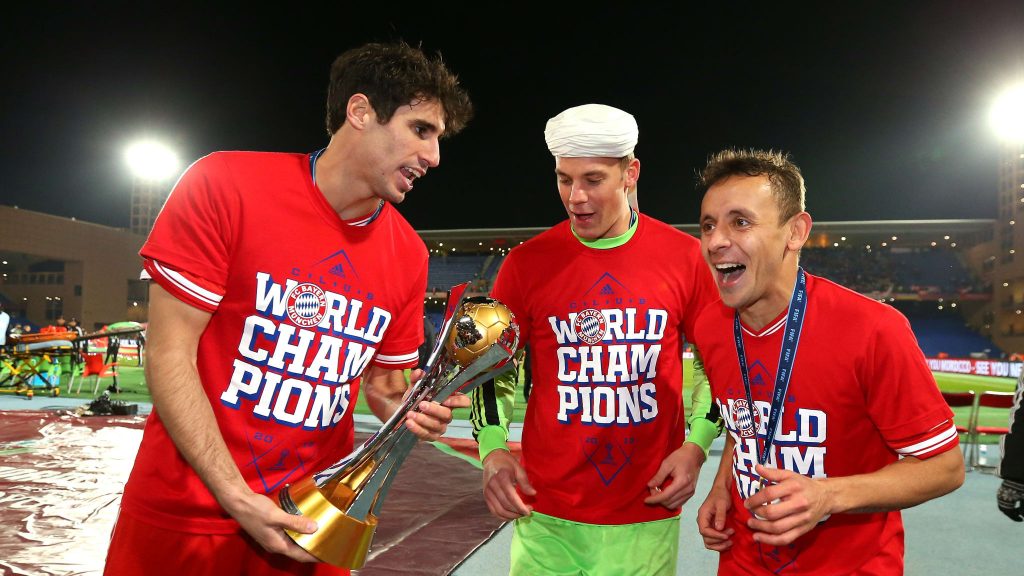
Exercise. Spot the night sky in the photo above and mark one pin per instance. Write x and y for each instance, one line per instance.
(883, 107)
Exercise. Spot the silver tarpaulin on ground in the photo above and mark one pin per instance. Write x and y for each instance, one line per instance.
(61, 478)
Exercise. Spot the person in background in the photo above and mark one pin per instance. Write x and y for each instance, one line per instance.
(73, 326)
(5, 324)
(1010, 495)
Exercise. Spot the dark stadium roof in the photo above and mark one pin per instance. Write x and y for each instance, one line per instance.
(874, 233)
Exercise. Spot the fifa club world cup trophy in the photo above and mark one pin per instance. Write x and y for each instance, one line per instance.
(475, 344)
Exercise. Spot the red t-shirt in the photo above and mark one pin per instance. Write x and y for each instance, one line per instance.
(860, 395)
(605, 329)
(301, 303)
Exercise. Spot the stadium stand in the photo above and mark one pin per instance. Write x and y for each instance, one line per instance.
(490, 267)
(911, 278)
(856, 268)
(493, 272)
(928, 270)
(448, 270)
(943, 332)
(922, 271)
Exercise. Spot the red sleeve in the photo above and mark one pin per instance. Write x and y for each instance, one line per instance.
(702, 292)
(400, 347)
(188, 250)
(508, 290)
(186, 287)
(903, 399)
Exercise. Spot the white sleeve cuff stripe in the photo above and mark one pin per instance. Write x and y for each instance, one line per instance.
(400, 359)
(187, 286)
(392, 363)
(930, 443)
(949, 440)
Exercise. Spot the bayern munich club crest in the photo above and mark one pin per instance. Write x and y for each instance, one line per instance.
(590, 326)
(744, 418)
(306, 305)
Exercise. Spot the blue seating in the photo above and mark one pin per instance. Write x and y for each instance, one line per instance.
(447, 271)
(923, 268)
(901, 270)
(943, 331)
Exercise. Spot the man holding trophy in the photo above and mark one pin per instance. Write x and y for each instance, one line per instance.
(283, 283)
(604, 301)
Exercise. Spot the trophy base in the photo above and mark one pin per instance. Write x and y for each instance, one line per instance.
(340, 540)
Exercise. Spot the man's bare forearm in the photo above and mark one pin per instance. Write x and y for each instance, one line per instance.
(902, 484)
(724, 475)
(179, 398)
(384, 389)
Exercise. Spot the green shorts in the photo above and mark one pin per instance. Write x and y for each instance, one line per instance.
(551, 546)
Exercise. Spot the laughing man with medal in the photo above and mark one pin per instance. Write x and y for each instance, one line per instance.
(834, 421)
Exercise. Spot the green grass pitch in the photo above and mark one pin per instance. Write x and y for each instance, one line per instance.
(132, 381)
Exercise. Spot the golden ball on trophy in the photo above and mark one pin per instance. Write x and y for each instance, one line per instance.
(479, 323)
(479, 337)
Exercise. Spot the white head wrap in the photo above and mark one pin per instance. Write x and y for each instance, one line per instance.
(592, 131)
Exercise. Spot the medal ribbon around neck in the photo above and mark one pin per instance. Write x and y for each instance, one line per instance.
(790, 341)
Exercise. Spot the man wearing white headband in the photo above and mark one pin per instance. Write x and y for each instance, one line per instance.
(605, 467)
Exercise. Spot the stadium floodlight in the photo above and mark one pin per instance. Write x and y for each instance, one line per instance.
(1007, 114)
(150, 160)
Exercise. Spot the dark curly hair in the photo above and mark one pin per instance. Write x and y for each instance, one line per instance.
(393, 75)
(786, 181)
